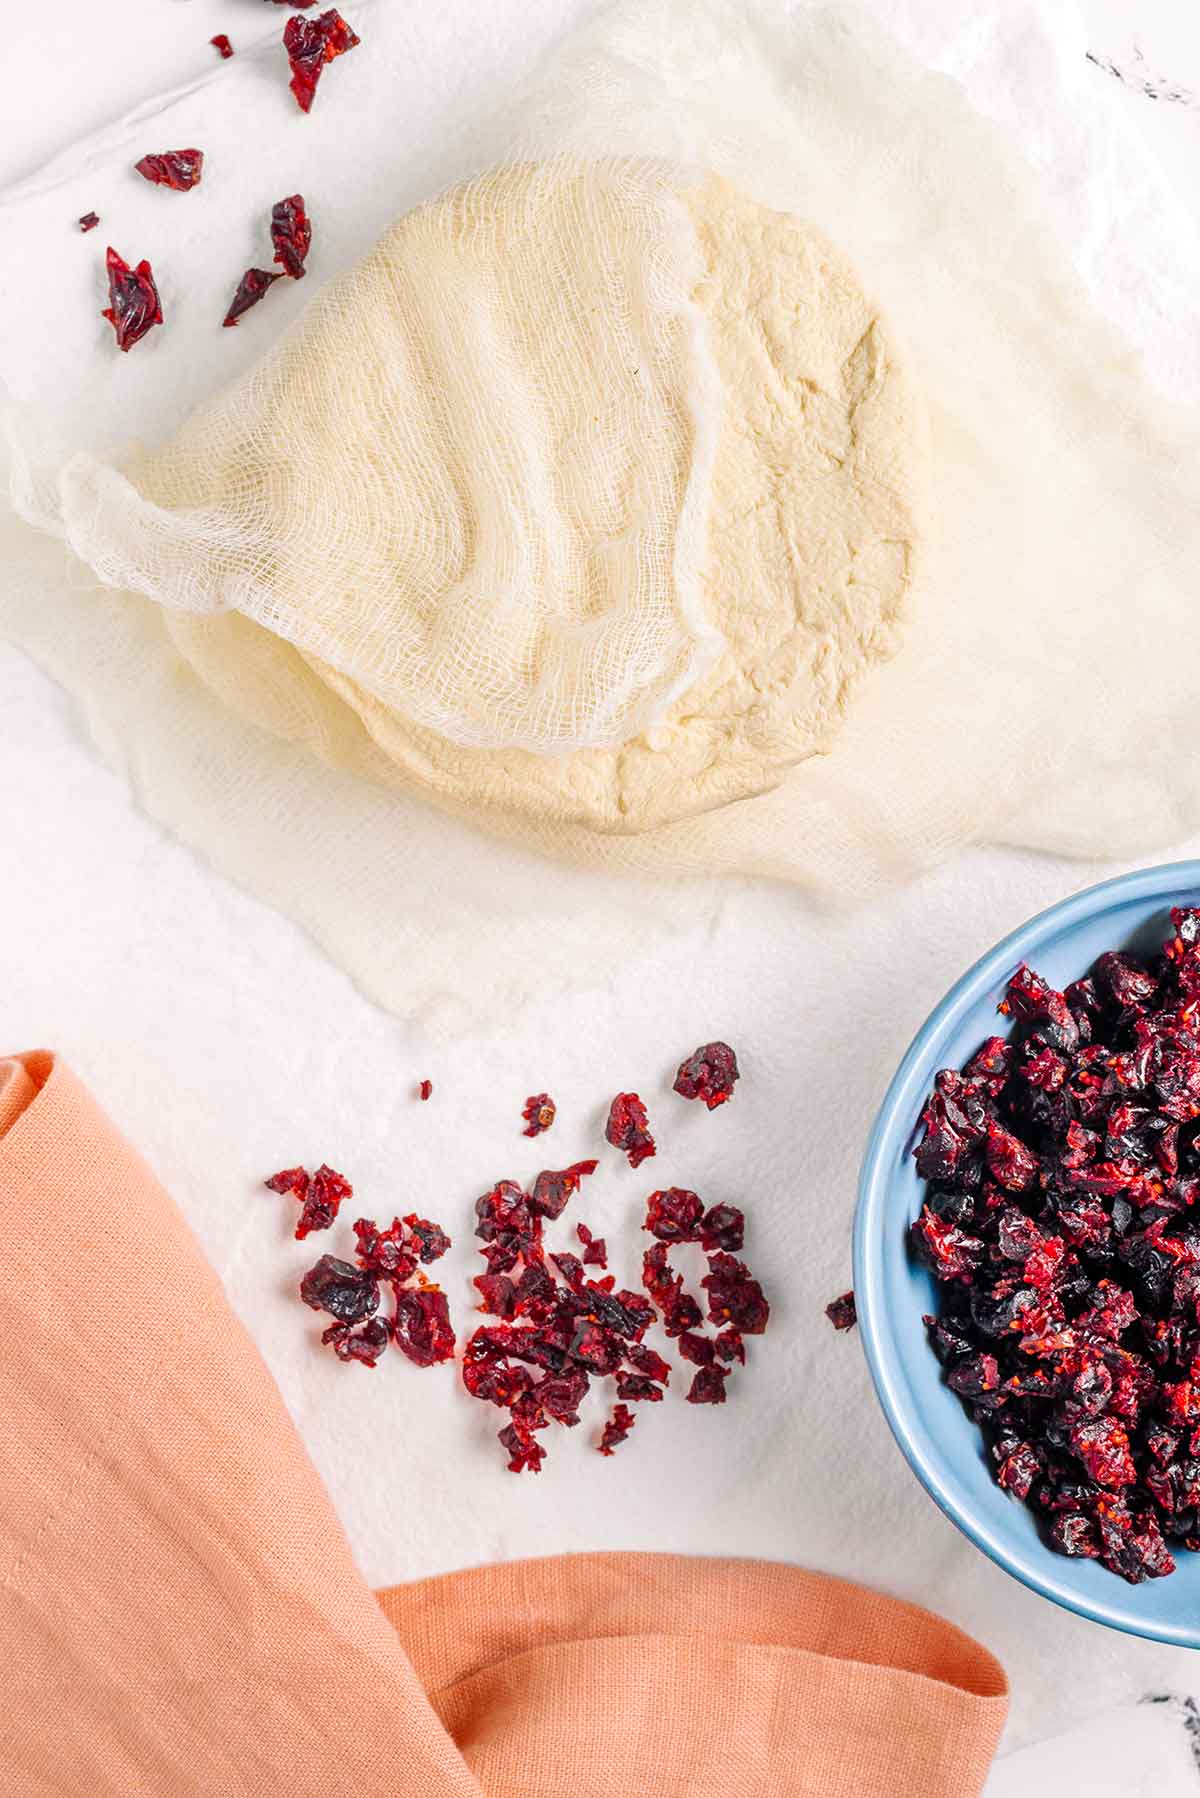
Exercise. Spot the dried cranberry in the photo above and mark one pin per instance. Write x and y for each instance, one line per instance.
(89, 221)
(722, 1227)
(637, 1387)
(595, 1249)
(319, 1195)
(291, 234)
(539, 1113)
(525, 1452)
(709, 1074)
(730, 1347)
(560, 1394)
(429, 1240)
(628, 1128)
(222, 45)
(616, 1429)
(674, 1215)
(362, 1342)
(842, 1313)
(496, 1382)
(346, 1292)
(250, 290)
(177, 169)
(388, 1254)
(421, 1325)
(708, 1387)
(425, 1089)
(701, 1351)
(310, 44)
(734, 1296)
(133, 303)
(550, 1191)
(646, 1361)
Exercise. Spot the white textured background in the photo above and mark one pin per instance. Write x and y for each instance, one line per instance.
(225, 1044)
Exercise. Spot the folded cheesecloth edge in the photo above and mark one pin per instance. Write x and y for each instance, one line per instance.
(180, 1611)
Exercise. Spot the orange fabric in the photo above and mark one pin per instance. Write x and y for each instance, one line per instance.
(180, 1613)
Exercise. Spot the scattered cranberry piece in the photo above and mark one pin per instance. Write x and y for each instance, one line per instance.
(595, 1249)
(362, 1342)
(539, 1112)
(346, 1292)
(616, 1429)
(842, 1313)
(176, 169)
(701, 1351)
(734, 1296)
(550, 1191)
(708, 1387)
(722, 1227)
(250, 290)
(628, 1128)
(421, 1326)
(291, 234)
(674, 1215)
(89, 221)
(525, 1452)
(133, 303)
(430, 1240)
(319, 1195)
(709, 1074)
(648, 1362)
(310, 44)
(425, 1090)
(388, 1254)
(730, 1347)
(637, 1387)
(222, 45)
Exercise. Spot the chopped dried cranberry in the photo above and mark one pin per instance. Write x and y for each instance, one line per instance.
(496, 1382)
(310, 44)
(734, 1296)
(628, 1128)
(560, 1394)
(616, 1429)
(291, 234)
(388, 1254)
(636, 1387)
(708, 1386)
(674, 1215)
(429, 1240)
(539, 1113)
(648, 1362)
(319, 1195)
(177, 169)
(362, 1342)
(222, 45)
(133, 303)
(421, 1325)
(550, 1191)
(730, 1347)
(250, 290)
(525, 1452)
(842, 1312)
(89, 221)
(722, 1227)
(595, 1249)
(425, 1090)
(709, 1074)
(701, 1351)
(346, 1292)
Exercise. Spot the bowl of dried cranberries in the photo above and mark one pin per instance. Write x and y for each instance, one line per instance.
(1027, 1254)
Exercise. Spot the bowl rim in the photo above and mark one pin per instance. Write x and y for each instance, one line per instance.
(906, 1424)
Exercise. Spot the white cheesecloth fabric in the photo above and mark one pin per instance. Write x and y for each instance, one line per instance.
(1027, 706)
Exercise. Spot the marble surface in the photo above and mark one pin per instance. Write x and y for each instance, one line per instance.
(225, 1044)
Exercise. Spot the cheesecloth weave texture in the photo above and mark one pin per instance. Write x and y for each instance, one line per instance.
(493, 522)
(1043, 695)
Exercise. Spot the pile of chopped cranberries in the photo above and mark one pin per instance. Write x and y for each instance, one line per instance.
(553, 1328)
(1061, 1221)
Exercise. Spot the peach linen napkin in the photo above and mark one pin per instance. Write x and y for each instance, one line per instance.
(180, 1612)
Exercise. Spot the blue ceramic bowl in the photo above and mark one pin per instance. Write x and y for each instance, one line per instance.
(941, 1444)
